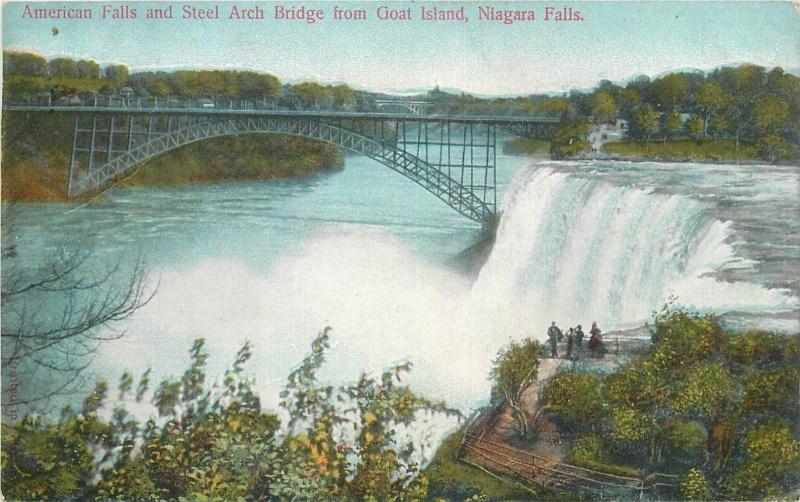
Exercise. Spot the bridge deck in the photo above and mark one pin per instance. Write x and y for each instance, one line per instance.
(279, 113)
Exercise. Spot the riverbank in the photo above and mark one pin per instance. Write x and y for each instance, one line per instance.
(708, 152)
(685, 150)
(36, 149)
(526, 146)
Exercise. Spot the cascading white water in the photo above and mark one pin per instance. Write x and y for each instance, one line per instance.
(573, 249)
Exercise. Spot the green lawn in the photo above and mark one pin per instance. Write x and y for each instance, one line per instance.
(724, 149)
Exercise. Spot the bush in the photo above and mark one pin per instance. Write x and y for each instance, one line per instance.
(576, 398)
(694, 486)
(687, 441)
(589, 452)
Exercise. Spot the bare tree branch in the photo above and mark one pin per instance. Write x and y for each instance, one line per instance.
(56, 314)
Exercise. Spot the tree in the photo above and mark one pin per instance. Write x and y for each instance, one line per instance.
(672, 125)
(603, 106)
(117, 75)
(645, 123)
(670, 90)
(343, 96)
(62, 67)
(694, 486)
(771, 464)
(629, 100)
(24, 64)
(576, 397)
(569, 139)
(57, 313)
(695, 128)
(212, 441)
(769, 113)
(158, 87)
(88, 69)
(712, 98)
(718, 125)
(513, 371)
(686, 440)
(309, 94)
(256, 85)
(772, 146)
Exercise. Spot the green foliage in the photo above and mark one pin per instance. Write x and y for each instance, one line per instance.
(682, 149)
(687, 441)
(695, 128)
(309, 94)
(117, 75)
(603, 106)
(630, 430)
(526, 146)
(87, 68)
(706, 391)
(769, 113)
(773, 146)
(213, 441)
(670, 90)
(684, 339)
(24, 64)
(513, 371)
(771, 464)
(590, 452)
(515, 368)
(644, 123)
(570, 139)
(688, 403)
(44, 461)
(576, 397)
(672, 124)
(451, 479)
(770, 391)
(62, 67)
(37, 146)
(713, 98)
(694, 486)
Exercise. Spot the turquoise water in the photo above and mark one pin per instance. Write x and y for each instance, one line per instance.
(368, 252)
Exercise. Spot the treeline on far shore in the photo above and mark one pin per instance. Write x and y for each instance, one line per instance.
(746, 112)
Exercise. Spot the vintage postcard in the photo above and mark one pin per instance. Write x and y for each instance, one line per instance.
(426, 250)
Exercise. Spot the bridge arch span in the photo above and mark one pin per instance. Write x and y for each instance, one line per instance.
(438, 183)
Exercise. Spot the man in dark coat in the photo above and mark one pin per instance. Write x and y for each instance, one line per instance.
(579, 337)
(553, 334)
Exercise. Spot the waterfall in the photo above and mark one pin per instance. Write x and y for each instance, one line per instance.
(573, 249)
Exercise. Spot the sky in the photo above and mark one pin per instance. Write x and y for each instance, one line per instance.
(615, 41)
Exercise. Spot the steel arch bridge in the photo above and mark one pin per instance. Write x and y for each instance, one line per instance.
(452, 157)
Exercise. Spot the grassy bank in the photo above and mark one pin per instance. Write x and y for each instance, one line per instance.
(526, 146)
(724, 149)
(36, 155)
(452, 480)
(235, 158)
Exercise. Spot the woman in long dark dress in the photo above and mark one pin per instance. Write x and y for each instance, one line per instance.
(596, 341)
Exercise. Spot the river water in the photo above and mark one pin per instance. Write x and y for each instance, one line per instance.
(369, 253)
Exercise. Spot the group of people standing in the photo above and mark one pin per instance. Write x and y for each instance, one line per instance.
(574, 341)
